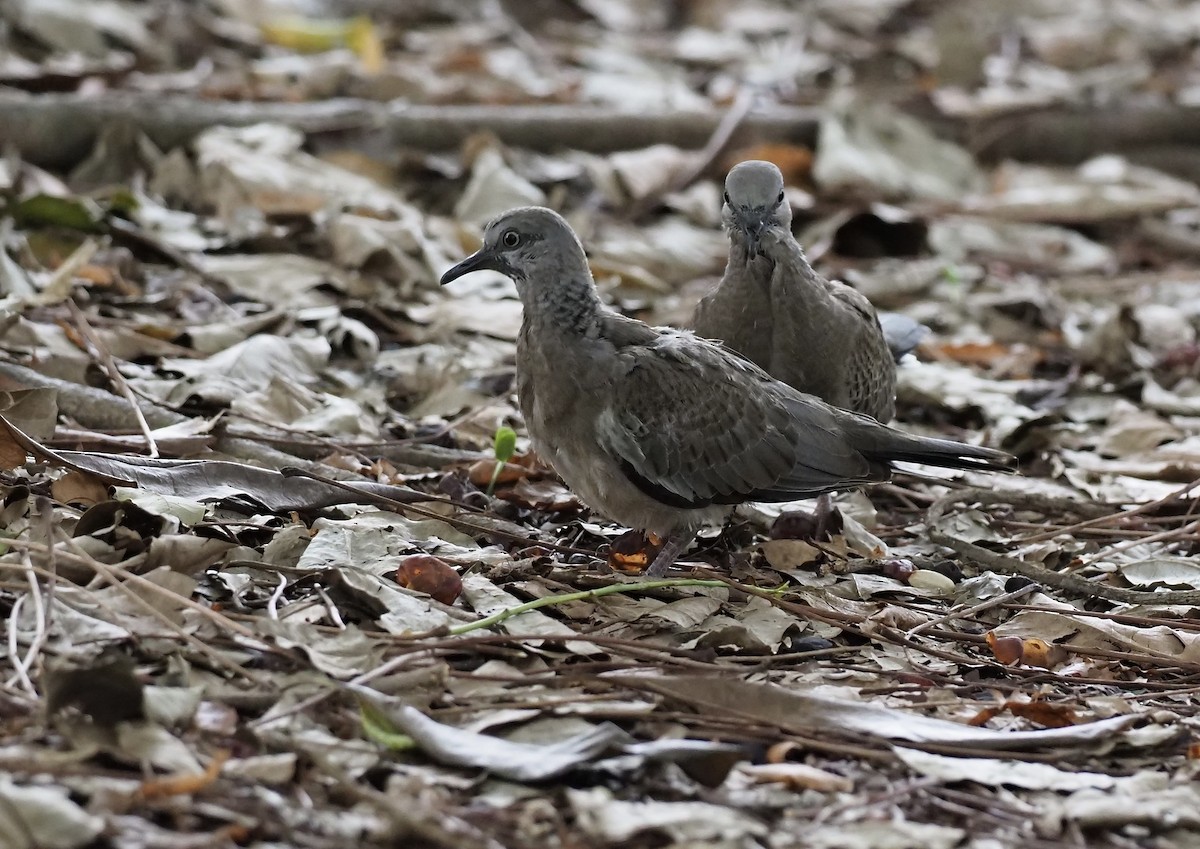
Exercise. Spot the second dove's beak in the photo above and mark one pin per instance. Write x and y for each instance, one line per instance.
(752, 222)
(482, 259)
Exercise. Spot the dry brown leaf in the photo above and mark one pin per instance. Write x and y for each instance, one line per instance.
(430, 575)
(79, 488)
(633, 552)
(481, 472)
(796, 776)
(180, 785)
(1030, 651)
(12, 455)
(542, 495)
(1046, 714)
(795, 161)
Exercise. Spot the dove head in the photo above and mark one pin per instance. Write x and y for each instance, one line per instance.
(754, 202)
(538, 249)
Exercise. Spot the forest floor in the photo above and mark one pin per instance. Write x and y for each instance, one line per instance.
(263, 581)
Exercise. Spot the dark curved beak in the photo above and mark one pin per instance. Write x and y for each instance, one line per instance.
(482, 259)
(751, 221)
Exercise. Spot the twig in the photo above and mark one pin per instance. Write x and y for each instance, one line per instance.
(1108, 518)
(45, 510)
(20, 676)
(82, 559)
(100, 352)
(276, 594)
(61, 129)
(971, 611)
(40, 614)
(1168, 535)
(331, 609)
(483, 530)
(716, 143)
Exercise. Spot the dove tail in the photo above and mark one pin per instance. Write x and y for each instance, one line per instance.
(898, 446)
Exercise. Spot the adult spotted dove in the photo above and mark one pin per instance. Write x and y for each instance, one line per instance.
(820, 336)
(660, 429)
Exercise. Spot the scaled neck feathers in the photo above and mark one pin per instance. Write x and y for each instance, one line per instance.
(570, 305)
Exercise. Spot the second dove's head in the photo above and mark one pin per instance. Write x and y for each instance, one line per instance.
(530, 244)
(754, 201)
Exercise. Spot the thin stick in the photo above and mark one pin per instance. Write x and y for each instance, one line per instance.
(1114, 517)
(86, 561)
(971, 611)
(716, 143)
(39, 616)
(399, 506)
(19, 676)
(101, 353)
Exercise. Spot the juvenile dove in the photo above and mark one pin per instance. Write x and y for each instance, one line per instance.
(817, 335)
(658, 428)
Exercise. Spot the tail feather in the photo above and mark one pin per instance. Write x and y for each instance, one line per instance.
(887, 445)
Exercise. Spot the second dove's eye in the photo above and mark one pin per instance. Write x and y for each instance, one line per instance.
(727, 197)
(779, 199)
(510, 239)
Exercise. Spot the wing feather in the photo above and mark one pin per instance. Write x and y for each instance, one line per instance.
(691, 422)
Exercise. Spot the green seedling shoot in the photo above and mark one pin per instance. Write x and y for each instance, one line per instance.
(504, 445)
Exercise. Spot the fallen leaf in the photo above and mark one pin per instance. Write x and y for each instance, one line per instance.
(79, 488)
(796, 776)
(430, 575)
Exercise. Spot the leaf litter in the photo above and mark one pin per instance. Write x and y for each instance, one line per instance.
(270, 576)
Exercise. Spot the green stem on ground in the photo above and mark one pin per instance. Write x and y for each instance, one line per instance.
(583, 595)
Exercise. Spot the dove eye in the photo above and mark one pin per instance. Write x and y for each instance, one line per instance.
(727, 197)
(779, 199)
(510, 239)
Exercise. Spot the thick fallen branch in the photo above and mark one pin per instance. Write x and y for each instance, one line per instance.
(93, 408)
(1004, 564)
(1070, 135)
(58, 130)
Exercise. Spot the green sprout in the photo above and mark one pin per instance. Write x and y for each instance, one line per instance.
(505, 444)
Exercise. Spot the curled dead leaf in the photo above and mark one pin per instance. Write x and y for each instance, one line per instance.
(1007, 650)
(779, 752)
(632, 552)
(1030, 651)
(430, 575)
(542, 495)
(797, 776)
(481, 473)
(79, 488)
(1041, 653)
(180, 785)
(927, 579)
(1036, 709)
